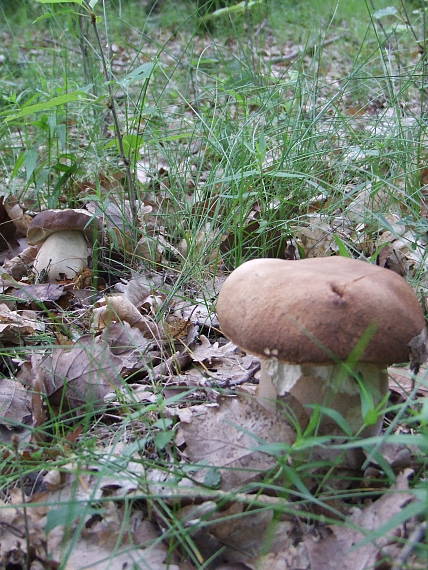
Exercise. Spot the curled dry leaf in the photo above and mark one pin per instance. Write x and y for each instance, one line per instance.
(82, 374)
(401, 253)
(178, 329)
(340, 547)
(20, 220)
(226, 437)
(15, 405)
(16, 324)
(21, 264)
(206, 352)
(42, 293)
(198, 314)
(316, 236)
(129, 345)
(201, 243)
(418, 350)
(117, 308)
(122, 338)
(156, 248)
(7, 229)
(137, 289)
(402, 381)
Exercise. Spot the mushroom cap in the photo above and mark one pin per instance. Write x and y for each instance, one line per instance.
(48, 222)
(317, 310)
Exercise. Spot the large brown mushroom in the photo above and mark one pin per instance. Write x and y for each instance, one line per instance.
(321, 327)
(64, 237)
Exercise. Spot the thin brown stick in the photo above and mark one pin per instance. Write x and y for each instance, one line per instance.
(417, 536)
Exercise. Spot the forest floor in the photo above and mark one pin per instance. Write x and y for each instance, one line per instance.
(131, 436)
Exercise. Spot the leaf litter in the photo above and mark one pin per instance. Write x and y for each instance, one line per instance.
(171, 431)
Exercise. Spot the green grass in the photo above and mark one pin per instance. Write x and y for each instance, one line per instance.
(239, 133)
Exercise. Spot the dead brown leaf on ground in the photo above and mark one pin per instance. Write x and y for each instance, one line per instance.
(15, 325)
(15, 408)
(339, 546)
(41, 293)
(81, 374)
(233, 430)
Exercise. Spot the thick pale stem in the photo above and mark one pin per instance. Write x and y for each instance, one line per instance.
(266, 390)
(62, 255)
(325, 385)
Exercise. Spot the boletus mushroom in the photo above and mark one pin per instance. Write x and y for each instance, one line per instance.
(64, 236)
(322, 327)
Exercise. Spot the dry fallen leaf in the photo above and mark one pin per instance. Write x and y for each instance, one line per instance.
(118, 308)
(7, 229)
(402, 381)
(110, 535)
(16, 324)
(338, 550)
(15, 408)
(87, 371)
(130, 345)
(198, 314)
(207, 351)
(339, 547)
(22, 263)
(42, 293)
(231, 433)
(20, 220)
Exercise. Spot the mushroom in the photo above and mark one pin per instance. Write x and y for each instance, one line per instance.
(64, 236)
(322, 327)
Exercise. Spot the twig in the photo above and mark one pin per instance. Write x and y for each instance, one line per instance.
(230, 383)
(310, 50)
(417, 535)
(177, 361)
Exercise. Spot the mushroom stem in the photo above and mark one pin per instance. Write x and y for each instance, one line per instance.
(325, 385)
(266, 391)
(62, 254)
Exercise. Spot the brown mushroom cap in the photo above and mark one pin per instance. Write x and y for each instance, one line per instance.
(316, 310)
(48, 222)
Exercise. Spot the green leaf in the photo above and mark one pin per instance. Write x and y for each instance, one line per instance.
(383, 12)
(334, 415)
(212, 478)
(30, 162)
(49, 104)
(140, 73)
(18, 164)
(66, 514)
(163, 423)
(343, 248)
(371, 417)
(275, 449)
(80, 2)
(306, 442)
(417, 440)
(162, 439)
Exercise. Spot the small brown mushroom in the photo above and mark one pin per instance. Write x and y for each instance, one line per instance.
(64, 237)
(321, 326)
